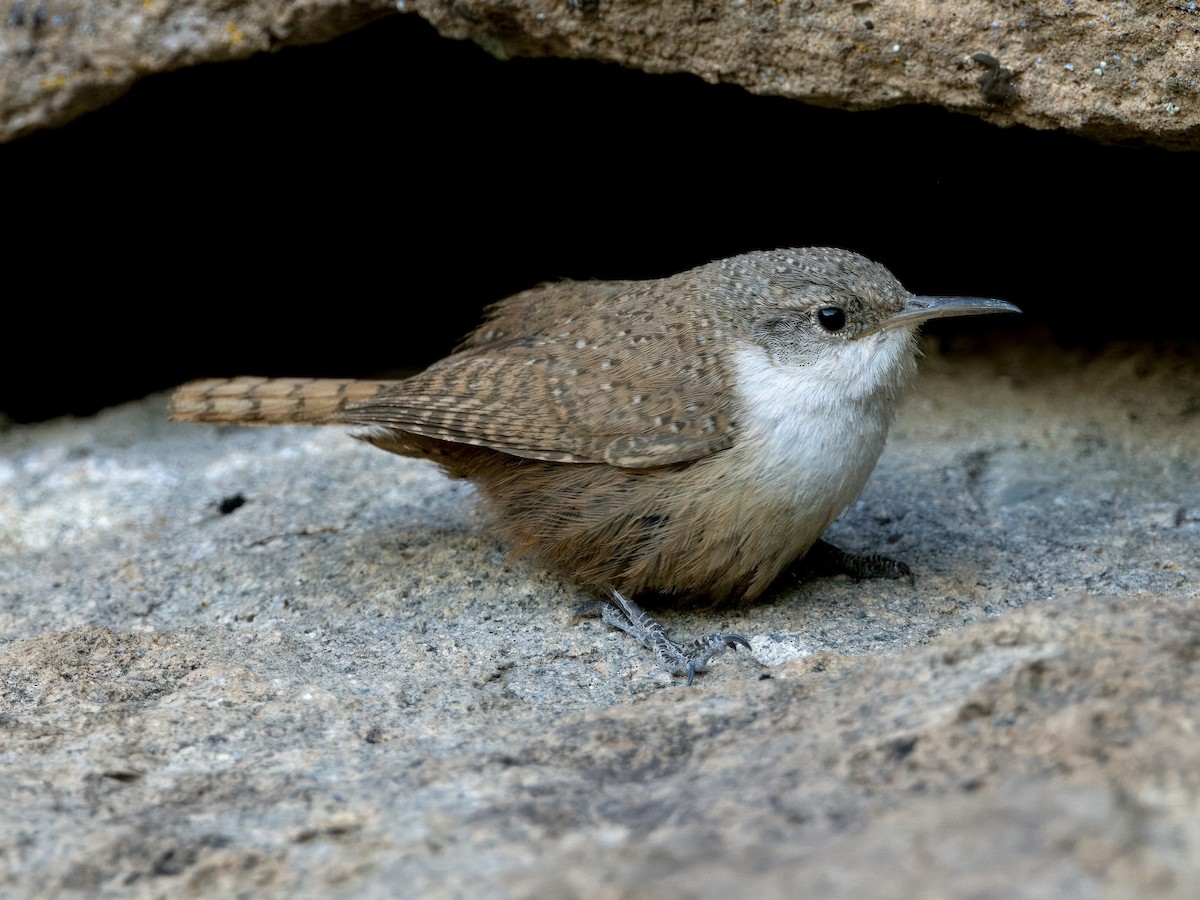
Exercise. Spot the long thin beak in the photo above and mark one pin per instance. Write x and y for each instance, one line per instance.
(921, 309)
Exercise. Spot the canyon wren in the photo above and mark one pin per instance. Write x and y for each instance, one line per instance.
(688, 437)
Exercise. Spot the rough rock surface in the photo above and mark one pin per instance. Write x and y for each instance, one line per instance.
(277, 662)
(62, 58)
(1121, 71)
(1113, 71)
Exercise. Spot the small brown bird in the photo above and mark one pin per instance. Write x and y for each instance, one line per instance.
(690, 436)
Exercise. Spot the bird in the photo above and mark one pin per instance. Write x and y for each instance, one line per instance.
(685, 438)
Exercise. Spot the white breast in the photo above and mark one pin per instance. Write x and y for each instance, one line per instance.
(815, 428)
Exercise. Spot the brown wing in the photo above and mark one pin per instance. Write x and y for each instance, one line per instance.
(576, 372)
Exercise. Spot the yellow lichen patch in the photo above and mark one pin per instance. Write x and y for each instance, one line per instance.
(236, 35)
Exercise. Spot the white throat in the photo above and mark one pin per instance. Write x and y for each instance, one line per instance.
(817, 424)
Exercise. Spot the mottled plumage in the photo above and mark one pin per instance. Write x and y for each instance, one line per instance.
(689, 436)
(607, 429)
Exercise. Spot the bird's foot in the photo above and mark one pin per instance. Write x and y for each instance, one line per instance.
(824, 558)
(684, 660)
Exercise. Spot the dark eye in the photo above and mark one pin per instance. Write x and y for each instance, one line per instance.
(831, 318)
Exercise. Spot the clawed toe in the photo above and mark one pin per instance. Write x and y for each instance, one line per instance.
(824, 558)
(733, 640)
(681, 660)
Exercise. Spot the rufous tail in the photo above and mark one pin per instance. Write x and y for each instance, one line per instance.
(249, 400)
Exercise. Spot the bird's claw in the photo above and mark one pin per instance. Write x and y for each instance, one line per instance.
(684, 661)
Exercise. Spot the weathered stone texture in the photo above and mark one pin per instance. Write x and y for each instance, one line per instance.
(341, 687)
(1120, 71)
(1115, 71)
(62, 58)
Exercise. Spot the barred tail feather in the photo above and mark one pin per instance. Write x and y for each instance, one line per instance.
(249, 400)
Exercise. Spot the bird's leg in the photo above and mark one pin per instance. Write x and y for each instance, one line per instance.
(678, 659)
(823, 558)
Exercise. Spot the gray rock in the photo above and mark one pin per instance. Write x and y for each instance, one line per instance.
(342, 686)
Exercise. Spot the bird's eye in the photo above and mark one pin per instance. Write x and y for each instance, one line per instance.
(832, 318)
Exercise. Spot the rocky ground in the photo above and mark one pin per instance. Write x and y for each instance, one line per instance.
(277, 662)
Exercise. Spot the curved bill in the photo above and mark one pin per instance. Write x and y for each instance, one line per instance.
(921, 309)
